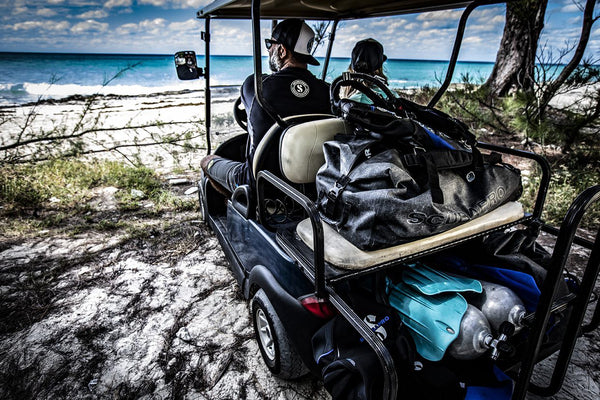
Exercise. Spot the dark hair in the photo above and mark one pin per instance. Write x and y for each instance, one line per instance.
(367, 56)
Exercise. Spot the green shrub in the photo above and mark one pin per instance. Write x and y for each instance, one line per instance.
(68, 182)
(566, 183)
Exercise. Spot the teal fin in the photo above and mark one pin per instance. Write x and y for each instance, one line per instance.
(433, 321)
(430, 281)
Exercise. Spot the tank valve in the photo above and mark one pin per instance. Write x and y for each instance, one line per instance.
(501, 345)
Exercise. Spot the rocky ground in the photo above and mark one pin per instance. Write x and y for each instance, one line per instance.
(155, 315)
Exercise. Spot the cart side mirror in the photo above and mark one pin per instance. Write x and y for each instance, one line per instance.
(187, 66)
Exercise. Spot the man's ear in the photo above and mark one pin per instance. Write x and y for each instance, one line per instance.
(283, 52)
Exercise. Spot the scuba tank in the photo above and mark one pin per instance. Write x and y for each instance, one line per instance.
(498, 303)
(496, 310)
(474, 336)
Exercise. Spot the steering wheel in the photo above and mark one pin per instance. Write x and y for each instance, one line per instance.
(363, 82)
(239, 114)
(385, 117)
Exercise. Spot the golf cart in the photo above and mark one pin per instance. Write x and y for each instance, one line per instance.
(299, 273)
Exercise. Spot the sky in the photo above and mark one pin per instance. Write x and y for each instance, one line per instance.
(166, 26)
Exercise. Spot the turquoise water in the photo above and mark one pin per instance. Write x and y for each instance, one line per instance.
(25, 77)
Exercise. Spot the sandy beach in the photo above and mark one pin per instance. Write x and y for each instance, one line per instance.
(157, 316)
(106, 121)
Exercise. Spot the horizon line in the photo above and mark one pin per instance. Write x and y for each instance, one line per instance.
(218, 55)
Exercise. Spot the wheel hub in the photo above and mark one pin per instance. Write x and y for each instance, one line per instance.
(265, 335)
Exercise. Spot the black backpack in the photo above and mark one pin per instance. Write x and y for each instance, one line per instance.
(408, 172)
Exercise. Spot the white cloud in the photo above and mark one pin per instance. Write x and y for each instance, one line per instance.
(498, 19)
(192, 3)
(234, 34)
(473, 39)
(570, 8)
(118, 3)
(156, 3)
(45, 12)
(28, 25)
(395, 26)
(126, 29)
(176, 3)
(93, 14)
(42, 25)
(487, 13)
(89, 26)
(185, 26)
(440, 34)
(446, 15)
(54, 2)
(20, 10)
(147, 27)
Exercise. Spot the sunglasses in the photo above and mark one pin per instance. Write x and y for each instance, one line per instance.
(270, 42)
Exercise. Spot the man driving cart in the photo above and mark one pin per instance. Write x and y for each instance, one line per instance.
(291, 90)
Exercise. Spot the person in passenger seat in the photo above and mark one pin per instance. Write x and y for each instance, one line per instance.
(367, 58)
(290, 90)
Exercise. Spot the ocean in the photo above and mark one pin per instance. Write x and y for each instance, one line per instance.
(27, 77)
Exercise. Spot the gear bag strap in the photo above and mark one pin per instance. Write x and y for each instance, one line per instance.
(333, 195)
(438, 160)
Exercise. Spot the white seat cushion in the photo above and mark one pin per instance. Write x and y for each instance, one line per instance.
(343, 254)
(301, 150)
(273, 132)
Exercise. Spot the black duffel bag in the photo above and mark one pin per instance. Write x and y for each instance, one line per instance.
(380, 189)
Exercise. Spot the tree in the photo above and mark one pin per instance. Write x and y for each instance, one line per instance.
(320, 29)
(571, 67)
(515, 61)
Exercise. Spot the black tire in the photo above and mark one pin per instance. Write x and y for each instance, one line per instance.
(202, 197)
(281, 358)
(239, 114)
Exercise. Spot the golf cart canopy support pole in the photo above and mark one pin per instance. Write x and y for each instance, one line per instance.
(258, 65)
(206, 38)
(329, 48)
(457, 44)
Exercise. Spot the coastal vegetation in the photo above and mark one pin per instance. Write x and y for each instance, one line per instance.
(539, 99)
(66, 194)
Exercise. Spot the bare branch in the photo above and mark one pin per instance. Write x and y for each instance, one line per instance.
(584, 37)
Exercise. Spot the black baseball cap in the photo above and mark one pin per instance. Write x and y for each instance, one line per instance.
(297, 37)
(367, 56)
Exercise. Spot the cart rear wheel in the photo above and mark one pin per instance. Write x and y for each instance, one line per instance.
(281, 359)
(239, 114)
(202, 197)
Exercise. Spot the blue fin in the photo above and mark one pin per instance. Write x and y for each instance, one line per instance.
(430, 281)
(433, 321)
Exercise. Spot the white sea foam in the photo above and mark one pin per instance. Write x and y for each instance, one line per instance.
(19, 93)
(58, 91)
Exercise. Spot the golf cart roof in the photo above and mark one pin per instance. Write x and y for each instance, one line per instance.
(324, 10)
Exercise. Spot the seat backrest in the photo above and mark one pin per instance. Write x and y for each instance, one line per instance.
(301, 148)
(296, 152)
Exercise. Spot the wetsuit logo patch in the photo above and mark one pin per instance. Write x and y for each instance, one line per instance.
(299, 88)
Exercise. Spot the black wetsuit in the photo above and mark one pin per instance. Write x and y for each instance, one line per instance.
(291, 91)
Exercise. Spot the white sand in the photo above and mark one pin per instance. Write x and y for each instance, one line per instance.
(121, 120)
